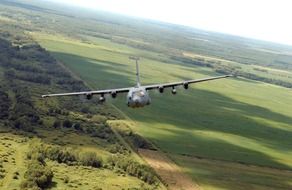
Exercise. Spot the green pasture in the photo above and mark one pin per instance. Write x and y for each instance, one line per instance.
(211, 175)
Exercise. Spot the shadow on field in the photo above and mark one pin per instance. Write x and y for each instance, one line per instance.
(98, 73)
(195, 110)
(212, 112)
(240, 180)
(231, 176)
(188, 144)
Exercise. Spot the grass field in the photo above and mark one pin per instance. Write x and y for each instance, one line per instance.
(12, 166)
(13, 149)
(213, 174)
(86, 178)
(232, 120)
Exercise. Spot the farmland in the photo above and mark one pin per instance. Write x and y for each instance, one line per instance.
(232, 133)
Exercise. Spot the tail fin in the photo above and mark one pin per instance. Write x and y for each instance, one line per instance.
(138, 74)
(137, 69)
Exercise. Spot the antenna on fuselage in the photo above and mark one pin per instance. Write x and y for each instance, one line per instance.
(137, 69)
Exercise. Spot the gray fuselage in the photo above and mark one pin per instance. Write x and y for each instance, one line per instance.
(138, 97)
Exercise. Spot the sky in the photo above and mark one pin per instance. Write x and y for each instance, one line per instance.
(269, 20)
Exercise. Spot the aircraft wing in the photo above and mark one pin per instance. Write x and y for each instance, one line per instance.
(90, 93)
(183, 83)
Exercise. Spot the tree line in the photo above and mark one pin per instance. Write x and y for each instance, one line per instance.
(234, 70)
(24, 64)
(39, 175)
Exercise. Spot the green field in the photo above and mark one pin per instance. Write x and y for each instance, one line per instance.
(13, 149)
(234, 120)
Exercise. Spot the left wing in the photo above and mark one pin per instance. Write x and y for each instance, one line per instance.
(88, 94)
(184, 83)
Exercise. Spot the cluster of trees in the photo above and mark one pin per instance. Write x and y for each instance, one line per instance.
(64, 155)
(102, 131)
(61, 155)
(17, 65)
(57, 111)
(227, 70)
(134, 139)
(137, 141)
(133, 168)
(23, 115)
(261, 70)
(235, 70)
(38, 175)
(35, 52)
(90, 159)
(21, 62)
(40, 151)
(140, 45)
(6, 51)
(32, 52)
(198, 61)
(76, 85)
(36, 78)
(67, 123)
(5, 104)
(118, 148)
(31, 63)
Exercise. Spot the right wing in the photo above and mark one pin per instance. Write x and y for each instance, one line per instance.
(90, 93)
(183, 83)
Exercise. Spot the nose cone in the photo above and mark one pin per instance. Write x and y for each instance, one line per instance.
(136, 100)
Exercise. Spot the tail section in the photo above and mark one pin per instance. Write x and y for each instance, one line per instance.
(137, 69)
(138, 74)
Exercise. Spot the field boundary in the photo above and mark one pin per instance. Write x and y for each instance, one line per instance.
(235, 164)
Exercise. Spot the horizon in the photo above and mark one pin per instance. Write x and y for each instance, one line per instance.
(261, 20)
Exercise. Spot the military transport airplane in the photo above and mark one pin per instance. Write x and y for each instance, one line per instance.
(138, 95)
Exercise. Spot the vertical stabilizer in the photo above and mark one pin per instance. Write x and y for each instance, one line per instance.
(137, 70)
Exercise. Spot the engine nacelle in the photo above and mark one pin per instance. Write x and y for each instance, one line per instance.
(88, 96)
(161, 89)
(114, 94)
(186, 85)
(173, 91)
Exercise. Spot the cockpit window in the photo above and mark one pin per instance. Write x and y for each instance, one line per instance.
(139, 93)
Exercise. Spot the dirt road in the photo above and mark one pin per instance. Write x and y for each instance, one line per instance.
(169, 172)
